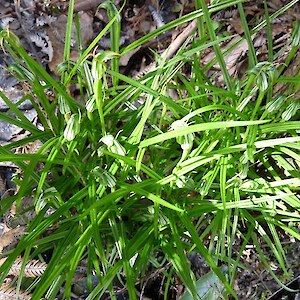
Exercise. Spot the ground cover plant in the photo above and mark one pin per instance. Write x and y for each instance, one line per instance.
(128, 183)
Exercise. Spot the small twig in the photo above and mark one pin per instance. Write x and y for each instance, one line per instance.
(181, 38)
(170, 51)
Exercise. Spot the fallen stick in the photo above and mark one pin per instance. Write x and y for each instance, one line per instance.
(170, 51)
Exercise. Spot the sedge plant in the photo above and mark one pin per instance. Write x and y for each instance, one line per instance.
(128, 185)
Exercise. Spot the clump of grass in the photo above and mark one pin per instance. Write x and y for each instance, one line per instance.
(196, 174)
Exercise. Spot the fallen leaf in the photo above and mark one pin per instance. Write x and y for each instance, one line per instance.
(8, 235)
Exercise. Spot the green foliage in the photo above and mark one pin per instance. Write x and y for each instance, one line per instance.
(171, 176)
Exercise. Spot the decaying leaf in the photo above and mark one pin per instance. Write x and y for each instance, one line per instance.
(84, 5)
(42, 41)
(56, 34)
(232, 59)
(8, 235)
(126, 57)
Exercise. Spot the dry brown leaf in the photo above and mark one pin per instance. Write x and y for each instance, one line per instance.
(232, 59)
(83, 5)
(8, 235)
(126, 57)
(56, 33)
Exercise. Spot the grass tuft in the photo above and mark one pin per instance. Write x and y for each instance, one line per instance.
(213, 168)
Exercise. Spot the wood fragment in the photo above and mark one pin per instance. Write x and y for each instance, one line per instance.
(170, 51)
